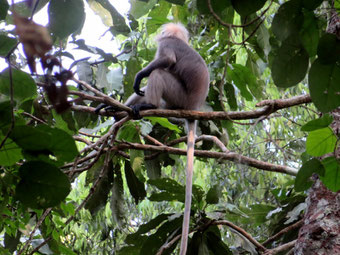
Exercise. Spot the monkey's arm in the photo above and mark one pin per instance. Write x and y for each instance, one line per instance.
(167, 59)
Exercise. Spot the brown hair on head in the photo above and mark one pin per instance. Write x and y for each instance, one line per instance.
(176, 30)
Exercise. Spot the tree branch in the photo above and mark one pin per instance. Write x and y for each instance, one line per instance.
(231, 156)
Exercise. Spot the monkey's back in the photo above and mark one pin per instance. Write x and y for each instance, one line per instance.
(189, 68)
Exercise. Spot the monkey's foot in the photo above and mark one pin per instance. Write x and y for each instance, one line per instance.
(106, 107)
(140, 107)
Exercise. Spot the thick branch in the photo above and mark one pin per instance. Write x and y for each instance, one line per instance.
(270, 106)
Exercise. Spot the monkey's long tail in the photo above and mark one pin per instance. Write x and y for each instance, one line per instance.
(188, 186)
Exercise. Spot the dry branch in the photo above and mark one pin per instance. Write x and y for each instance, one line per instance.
(231, 156)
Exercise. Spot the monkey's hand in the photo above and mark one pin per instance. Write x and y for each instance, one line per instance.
(136, 85)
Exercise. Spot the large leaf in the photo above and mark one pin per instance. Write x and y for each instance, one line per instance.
(140, 8)
(219, 7)
(324, 80)
(156, 240)
(46, 140)
(24, 86)
(42, 185)
(5, 113)
(213, 195)
(117, 196)
(62, 144)
(320, 142)
(119, 25)
(10, 153)
(143, 229)
(309, 33)
(302, 181)
(329, 49)
(6, 44)
(3, 10)
(331, 177)
(290, 64)
(65, 17)
(288, 20)
(159, 16)
(322, 122)
(215, 242)
(171, 190)
(246, 7)
(136, 187)
(164, 122)
(242, 77)
(99, 198)
(311, 4)
(132, 67)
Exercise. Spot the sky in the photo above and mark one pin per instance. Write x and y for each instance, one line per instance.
(93, 31)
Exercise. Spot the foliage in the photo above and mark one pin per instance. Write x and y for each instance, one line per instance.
(92, 186)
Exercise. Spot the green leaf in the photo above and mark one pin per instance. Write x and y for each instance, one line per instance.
(156, 240)
(46, 140)
(311, 4)
(246, 7)
(3, 11)
(10, 153)
(167, 184)
(24, 86)
(132, 67)
(290, 64)
(331, 178)
(324, 86)
(99, 198)
(240, 76)
(320, 141)
(309, 33)
(288, 20)
(11, 242)
(302, 181)
(129, 132)
(218, 7)
(172, 190)
(6, 43)
(164, 122)
(152, 224)
(215, 244)
(5, 113)
(167, 196)
(322, 122)
(230, 94)
(117, 196)
(136, 187)
(31, 139)
(159, 16)
(329, 49)
(197, 193)
(139, 8)
(42, 185)
(119, 25)
(65, 17)
(62, 144)
(213, 195)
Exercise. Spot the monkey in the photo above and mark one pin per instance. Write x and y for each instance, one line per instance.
(178, 79)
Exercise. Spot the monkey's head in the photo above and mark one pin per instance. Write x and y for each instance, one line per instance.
(175, 29)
